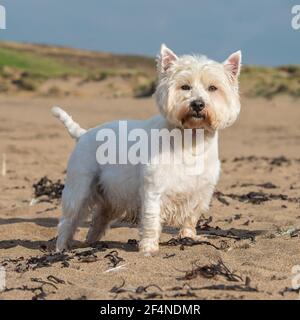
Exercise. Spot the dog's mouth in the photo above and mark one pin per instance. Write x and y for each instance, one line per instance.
(194, 119)
(196, 115)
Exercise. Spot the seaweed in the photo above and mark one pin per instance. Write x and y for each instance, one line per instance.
(46, 187)
(182, 242)
(211, 271)
(114, 258)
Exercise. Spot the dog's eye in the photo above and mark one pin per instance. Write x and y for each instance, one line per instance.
(186, 87)
(212, 88)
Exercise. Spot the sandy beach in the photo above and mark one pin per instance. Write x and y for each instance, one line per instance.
(252, 228)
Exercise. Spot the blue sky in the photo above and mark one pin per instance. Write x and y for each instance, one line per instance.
(261, 28)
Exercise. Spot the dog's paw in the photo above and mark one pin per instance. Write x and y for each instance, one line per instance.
(189, 233)
(62, 245)
(149, 247)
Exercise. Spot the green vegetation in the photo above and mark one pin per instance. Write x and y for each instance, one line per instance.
(269, 82)
(27, 66)
(144, 90)
(110, 73)
(33, 64)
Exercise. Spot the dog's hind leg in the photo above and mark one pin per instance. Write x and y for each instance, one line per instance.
(75, 206)
(100, 223)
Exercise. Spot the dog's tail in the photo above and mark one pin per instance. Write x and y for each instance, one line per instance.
(73, 128)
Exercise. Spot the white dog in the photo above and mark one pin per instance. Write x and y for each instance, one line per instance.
(192, 93)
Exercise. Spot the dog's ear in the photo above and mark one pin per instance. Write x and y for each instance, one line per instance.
(233, 64)
(165, 59)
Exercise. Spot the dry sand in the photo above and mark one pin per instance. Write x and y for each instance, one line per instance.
(254, 234)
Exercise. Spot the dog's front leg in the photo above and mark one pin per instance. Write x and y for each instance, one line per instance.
(150, 222)
(188, 230)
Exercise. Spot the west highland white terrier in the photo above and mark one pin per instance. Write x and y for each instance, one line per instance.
(193, 92)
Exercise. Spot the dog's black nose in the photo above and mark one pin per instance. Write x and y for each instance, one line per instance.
(197, 105)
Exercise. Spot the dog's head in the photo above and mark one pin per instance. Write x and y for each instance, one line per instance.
(195, 92)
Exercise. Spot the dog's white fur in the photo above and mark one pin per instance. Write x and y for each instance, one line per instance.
(74, 128)
(156, 194)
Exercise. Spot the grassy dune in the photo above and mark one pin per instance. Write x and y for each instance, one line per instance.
(34, 64)
(25, 67)
(268, 82)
